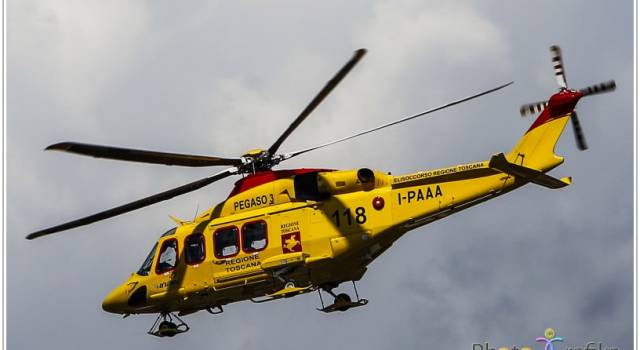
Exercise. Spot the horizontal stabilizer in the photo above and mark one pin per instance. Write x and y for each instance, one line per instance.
(500, 162)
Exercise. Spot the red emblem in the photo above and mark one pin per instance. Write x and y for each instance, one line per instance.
(291, 243)
(378, 203)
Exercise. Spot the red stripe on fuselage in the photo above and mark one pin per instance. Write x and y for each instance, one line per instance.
(264, 177)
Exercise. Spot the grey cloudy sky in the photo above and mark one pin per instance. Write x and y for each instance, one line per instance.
(221, 78)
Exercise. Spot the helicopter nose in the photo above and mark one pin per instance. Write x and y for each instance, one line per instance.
(116, 301)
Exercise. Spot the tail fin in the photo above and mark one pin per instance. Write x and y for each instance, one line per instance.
(536, 147)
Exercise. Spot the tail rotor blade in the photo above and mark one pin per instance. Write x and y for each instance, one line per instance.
(577, 131)
(533, 108)
(606, 86)
(558, 66)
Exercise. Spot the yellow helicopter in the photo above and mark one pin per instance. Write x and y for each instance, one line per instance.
(282, 233)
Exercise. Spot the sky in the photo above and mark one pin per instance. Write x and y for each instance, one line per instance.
(220, 78)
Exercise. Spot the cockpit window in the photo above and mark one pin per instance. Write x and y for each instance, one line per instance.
(168, 257)
(146, 265)
(194, 249)
(169, 232)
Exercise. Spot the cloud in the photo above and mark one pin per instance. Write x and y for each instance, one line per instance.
(75, 59)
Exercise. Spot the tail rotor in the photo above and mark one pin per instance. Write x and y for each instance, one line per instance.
(558, 67)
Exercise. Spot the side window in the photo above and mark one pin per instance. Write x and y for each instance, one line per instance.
(194, 249)
(226, 242)
(168, 257)
(254, 236)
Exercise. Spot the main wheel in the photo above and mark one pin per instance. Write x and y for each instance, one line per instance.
(167, 329)
(342, 298)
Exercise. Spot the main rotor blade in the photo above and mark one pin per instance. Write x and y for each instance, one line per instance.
(142, 156)
(293, 154)
(558, 67)
(326, 90)
(599, 88)
(136, 204)
(577, 132)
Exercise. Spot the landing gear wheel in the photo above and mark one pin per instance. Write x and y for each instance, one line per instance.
(167, 329)
(342, 298)
(289, 285)
(164, 326)
(342, 301)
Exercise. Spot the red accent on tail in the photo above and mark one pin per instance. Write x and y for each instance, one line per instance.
(560, 104)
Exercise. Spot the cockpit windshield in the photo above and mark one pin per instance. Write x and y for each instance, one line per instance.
(169, 232)
(146, 265)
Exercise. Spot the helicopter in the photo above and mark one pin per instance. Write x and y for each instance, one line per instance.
(282, 233)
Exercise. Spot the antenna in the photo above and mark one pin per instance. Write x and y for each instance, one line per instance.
(196, 214)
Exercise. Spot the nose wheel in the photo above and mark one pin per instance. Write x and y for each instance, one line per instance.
(341, 302)
(168, 325)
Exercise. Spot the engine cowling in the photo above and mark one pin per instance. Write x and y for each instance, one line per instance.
(337, 182)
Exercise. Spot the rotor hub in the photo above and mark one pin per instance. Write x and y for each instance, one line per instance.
(256, 160)
(564, 101)
(254, 153)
